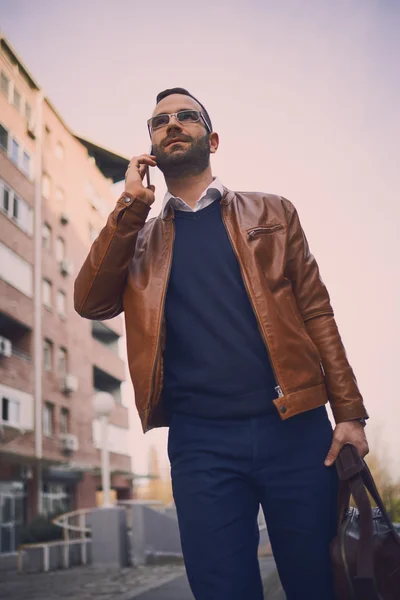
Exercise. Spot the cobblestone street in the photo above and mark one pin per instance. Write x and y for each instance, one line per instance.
(86, 583)
(159, 582)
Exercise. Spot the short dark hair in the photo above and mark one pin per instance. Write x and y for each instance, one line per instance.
(178, 90)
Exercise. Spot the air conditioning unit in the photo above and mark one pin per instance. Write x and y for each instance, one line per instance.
(69, 443)
(70, 383)
(64, 218)
(5, 347)
(31, 129)
(66, 267)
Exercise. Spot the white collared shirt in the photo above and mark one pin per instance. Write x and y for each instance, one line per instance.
(205, 199)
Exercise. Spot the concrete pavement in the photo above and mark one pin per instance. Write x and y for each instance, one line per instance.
(178, 589)
(151, 582)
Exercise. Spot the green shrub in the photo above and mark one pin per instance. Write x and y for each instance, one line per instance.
(40, 529)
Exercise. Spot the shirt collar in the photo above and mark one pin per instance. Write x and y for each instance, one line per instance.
(204, 200)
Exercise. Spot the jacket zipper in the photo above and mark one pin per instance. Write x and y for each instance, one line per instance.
(278, 388)
(157, 357)
(267, 229)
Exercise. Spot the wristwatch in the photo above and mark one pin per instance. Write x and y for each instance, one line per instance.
(361, 420)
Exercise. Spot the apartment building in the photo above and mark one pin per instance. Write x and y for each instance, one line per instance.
(55, 194)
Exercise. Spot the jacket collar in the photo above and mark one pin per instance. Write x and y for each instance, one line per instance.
(168, 212)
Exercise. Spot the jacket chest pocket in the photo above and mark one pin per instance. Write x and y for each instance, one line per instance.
(264, 230)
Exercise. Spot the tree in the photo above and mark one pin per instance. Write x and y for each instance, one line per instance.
(388, 489)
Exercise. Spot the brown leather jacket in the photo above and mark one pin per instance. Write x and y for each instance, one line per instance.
(128, 267)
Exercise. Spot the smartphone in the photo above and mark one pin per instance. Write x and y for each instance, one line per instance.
(148, 176)
(148, 170)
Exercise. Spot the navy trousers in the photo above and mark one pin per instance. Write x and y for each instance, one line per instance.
(222, 470)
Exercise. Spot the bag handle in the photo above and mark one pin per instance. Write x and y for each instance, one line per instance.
(355, 478)
(348, 464)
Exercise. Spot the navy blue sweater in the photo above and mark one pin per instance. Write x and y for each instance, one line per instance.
(215, 360)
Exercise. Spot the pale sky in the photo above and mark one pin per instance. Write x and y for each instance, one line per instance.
(305, 96)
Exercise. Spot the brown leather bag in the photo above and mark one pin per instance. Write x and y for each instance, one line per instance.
(366, 551)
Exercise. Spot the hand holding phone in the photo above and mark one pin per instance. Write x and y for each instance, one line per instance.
(139, 168)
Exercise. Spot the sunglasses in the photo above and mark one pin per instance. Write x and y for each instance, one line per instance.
(183, 116)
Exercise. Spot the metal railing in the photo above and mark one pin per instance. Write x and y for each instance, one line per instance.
(73, 523)
(46, 547)
(75, 532)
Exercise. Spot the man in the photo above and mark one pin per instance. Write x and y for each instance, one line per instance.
(232, 342)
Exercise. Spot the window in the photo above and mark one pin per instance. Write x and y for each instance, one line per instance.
(17, 99)
(14, 151)
(5, 193)
(28, 112)
(47, 293)
(64, 421)
(62, 361)
(26, 164)
(46, 236)
(61, 303)
(60, 249)
(3, 138)
(5, 85)
(56, 498)
(47, 355)
(16, 208)
(9, 411)
(46, 186)
(59, 151)
(48, 419)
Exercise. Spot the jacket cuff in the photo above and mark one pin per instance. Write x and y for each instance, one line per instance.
(139, 207)
(349, 412)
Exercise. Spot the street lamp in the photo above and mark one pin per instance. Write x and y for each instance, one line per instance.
(103, 403)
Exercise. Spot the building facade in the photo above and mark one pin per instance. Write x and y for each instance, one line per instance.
(55, 194)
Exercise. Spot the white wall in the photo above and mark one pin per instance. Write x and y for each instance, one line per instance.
(16, 271)
(118, 438)
(25, 402)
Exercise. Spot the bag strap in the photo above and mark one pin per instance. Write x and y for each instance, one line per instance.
(348, 463)
(371, 487)
(350, 468)
(365, 557)
(355, 478)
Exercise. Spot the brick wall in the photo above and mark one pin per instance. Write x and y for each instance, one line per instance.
(69, 179)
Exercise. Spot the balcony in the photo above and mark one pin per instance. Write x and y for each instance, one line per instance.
(16, 369)
(104, 334)
(108, 361)
(16, 409)
(103, 382)
(119, 438)
(109, 330)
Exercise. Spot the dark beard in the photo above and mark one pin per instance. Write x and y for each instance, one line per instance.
(192, 161)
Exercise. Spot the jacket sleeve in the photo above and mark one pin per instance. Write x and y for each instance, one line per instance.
(101, 281)
(315, 308)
